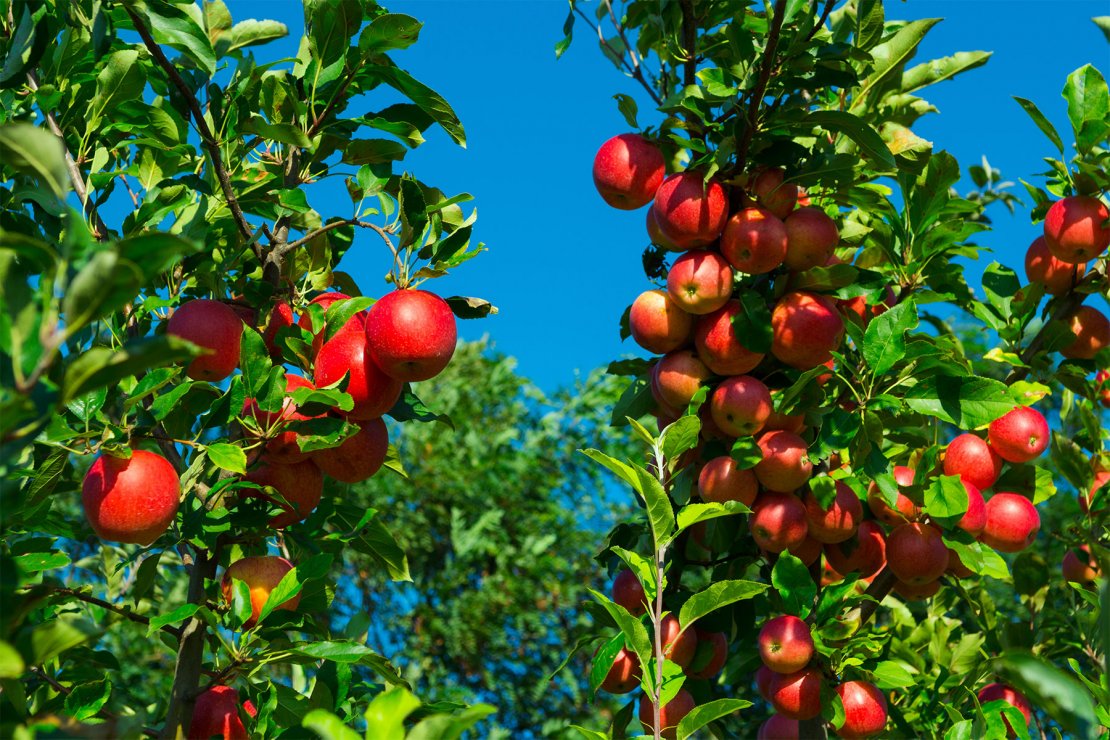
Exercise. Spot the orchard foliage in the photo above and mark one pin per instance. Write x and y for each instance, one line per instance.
(806, 399)
(161, 229)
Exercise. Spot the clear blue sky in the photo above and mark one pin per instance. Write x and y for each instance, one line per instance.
(562, 265)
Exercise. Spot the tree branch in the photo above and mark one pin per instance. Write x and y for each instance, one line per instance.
(689, 42)
(633, 70)
(878, 590)
(114, 608)
(821, 22)
(761, 86)
(65, 691)
(206, 136)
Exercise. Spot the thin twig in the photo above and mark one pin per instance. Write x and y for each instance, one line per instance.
(134, 198)
(114, 608)
(65, 691)
(821, 23)
(689, 42)
(633, 71)
(761, 86)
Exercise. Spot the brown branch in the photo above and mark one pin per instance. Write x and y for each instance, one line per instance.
(65, 691)
(689, 42)
(114, 608)
(206, 136)
(761, 85)
(634, 71)
(878, 590)
(821, 22)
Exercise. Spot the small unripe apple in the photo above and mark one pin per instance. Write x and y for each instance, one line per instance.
(773, 193)
(975, 518)
(778, 521)
(864, 710)
(710, 656)
(131, 500)
(811, 237)
(282, 447)
(1055, 275)
(1020, 435)
(214, 327)
(1013, 697)
(346, 353)
(971, 458)
(627, 171)
(740, 405)
(689, 211)
(785, 465)
(358, 457)
(629, 592)
(839, 521)
(778, 727)
(1012, 522)
(678, 646)
(719, 347)
(657, 323)
(904, 508)
(679, 375)
(1092, 332)
(785, 644)
(411, 334)
(797, 695)
(806, 328)
(262, 575)
(721, 480)
(216, 712)
(916, 553)
(300, 484)
(754, 241)
(670, 714)
(865, 553)
(625, 673)
(1079, 566)
(1075, 229)
(281, 317)
(700, 282)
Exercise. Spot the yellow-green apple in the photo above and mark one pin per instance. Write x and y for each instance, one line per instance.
(754, 241)
(130, 499)
(971, 458)
(785, 465)
(864, 710)
(689, 211)
(358, 457)
(627, 171)
(740, 405)
(214, 327)
(1012, 522)
(865, 553)
(216, 712)
(346, 353)
(916, 553)
(262, 574)
(670, 714)
(718, 345)
(629, 592)
(657, 323)
(679, 646)
(1019, 435)
(1055, 275)
(797, 695)
(839, 521)
(411, 334)
(811, 237)
(710, 656)
(777, 196)
(722, 479)
(1092, 332)
(300, 484)
(625, 673)
(1076, 229)
(1078, 565)
(1013, 697)
(700, 282)
(785, 644)
(806, 328)
(778, 521)
(678, 376)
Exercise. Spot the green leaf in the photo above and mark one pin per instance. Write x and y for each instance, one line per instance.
(752, 326)
(892, 53)
(249, 33)
(175, 617)
(703, 714)
(602, 661)
(104, 285)
(715, 596)
(660, 514)
(1088, 107)
(791, 578)
(884, 342)
(1050, 689)
(969, 403)
(631, 627)
(86, 699)
(53, 637)
(101, 366)
(892, 674)
(11, 662)
(869, 23)
(36, 562)
(1103, 23)
(427, 99)
(946, 497)
(181, 28)
(1042, 123)
(942, 69)
(856, 129)
(680, 437)
(691, 514)
(470, 308)
(327, 726)
(228, 457)
(746, 452)
(120, 79)
(37, 152)
(388, 32)
(373, 151)
(385, 717)
(341, 311)
(627, 106)
(285, 133)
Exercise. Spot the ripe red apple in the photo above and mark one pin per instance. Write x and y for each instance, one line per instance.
(972, 459)
(700, 282)
(1020, 435)
(806, 327)
(777, 727)
(721, 480)
(1085, 500)
(1012, 522)
(763, 676)
(1092, 332)
(839, 521)
(1102, 387)
(754, 241)
(864, 710)
(411, 334)
(670, 714)
(678, 376)
(300, 484)
(324, 301)
(904, 508)
(627, 171)
(282, 447)
(956, 566)
(719, 347)
(346, 353)
(131, 500)
(281, 316)
(865, 553)
(797, 695)
(358, 457)
(656, 236)
(1075, 229)
(778, 521)
(785, 465)
(1013, 697)
(975, 518)
(678, 646)
(794, 423)
(262, 575)
(689, 211)
(777, 196)
(625, 673)
(710, 656)
(214, 327)
(916, 553)
(785, 644)
(740, 405)
(216, 712)
(811, 237)
(1078, 565)
(808, 551)
(629, 592)
(1055, 275)
(657, 323)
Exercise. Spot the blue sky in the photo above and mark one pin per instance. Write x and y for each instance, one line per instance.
(562, 265)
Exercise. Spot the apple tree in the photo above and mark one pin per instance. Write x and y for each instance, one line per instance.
(189, 383)
(841, 527)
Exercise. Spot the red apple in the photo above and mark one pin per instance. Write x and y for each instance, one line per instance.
(411, 334)
(216, 712)
(262, 575)
(797, 695)
(904, 508)
(839, 521)
(1102, 387)
(718, 345)
(1020, 435)
(864, 710)
(975, 518)
(710, 656)
(358, 457)
(811, 237)
(1075, 229)
(808, 551)
(300, 484)
(740, 405)
(916, 553)
(324, 301)
(1055, 275)
(657, 323)
(777, 727)
(346, 353)
(1012, 522)
(776, 422)
(1085, 500)
(785, 465)
(973, 460)
(778, 521)
(1092, 332)
(281, 317)
(1079, 566)
(763, 676)
(282, 447)
(700, 282)
(214, 327)
(721, 480)
(629, 593)
(131, 500)
(678, 646)
(754, 241)
(806, 328)
(777, 196)
(656, 236)
(865, 553)
(669, 715)
(1013, 697)
(625, 673)
(785, 644)
(678, 376)
(689, 211)
(627, 171)
(956, 566)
